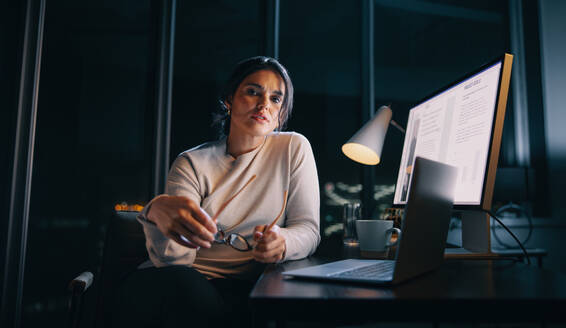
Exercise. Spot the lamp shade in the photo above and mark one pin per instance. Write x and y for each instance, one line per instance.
(366, 145)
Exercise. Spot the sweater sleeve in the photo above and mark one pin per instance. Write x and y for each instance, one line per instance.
(302, 223)
(162, 251)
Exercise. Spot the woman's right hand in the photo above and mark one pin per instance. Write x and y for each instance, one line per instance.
(182, 220)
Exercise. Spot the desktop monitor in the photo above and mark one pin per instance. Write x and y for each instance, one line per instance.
(461, 125)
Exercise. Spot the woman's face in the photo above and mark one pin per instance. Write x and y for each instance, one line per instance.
(256, 104)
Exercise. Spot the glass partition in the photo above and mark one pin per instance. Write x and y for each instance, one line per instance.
(93, 142)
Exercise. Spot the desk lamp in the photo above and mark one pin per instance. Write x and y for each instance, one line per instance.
(366, 145)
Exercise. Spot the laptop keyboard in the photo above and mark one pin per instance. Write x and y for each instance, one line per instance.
(377, 271)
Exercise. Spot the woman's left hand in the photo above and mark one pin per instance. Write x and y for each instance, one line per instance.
(270, 247)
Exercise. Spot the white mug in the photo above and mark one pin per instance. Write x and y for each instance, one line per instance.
(375, 235)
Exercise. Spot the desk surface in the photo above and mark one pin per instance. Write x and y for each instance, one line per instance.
(465, 291)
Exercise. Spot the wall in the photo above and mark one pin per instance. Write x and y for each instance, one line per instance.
(553, 52)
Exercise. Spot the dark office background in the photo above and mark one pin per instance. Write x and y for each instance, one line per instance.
(95, 132)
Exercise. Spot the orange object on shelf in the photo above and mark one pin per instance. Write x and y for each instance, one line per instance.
(123, 206)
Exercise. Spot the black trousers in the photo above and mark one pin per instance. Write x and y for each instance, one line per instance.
(179, 296)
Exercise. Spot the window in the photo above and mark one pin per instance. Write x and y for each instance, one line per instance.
(211, 37)
(320, 46)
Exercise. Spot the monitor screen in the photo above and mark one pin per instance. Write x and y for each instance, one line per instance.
(454, 126)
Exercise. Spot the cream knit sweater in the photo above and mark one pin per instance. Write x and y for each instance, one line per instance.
(208, 175)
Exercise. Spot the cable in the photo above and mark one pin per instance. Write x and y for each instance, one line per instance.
(511, 233)
(520, 210)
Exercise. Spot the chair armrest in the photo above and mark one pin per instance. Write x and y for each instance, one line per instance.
(78, 287)
(81, 283)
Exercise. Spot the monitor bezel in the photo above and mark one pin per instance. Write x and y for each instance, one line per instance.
(496, 129)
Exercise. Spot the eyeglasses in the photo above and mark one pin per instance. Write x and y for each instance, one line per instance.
(235, 240)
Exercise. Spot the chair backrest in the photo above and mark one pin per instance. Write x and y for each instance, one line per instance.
(124, 250)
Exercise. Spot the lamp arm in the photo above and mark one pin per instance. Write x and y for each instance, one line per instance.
(399, 127)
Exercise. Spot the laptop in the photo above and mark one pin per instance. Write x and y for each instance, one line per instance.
(423, 239)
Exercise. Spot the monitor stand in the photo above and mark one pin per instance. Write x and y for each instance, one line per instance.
(475, 242)
(476, 236)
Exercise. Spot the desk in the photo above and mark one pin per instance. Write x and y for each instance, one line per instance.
(459, 291)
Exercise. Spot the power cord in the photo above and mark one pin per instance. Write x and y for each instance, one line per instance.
(511, 233)
(519, 210)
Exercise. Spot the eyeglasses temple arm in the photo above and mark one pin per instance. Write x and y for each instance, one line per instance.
(280, 213)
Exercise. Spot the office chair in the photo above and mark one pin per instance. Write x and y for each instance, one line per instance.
(124, 249)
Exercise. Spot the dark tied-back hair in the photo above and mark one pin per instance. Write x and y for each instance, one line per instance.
(243, 69)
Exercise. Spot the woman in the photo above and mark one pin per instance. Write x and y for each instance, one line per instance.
(206, 236)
